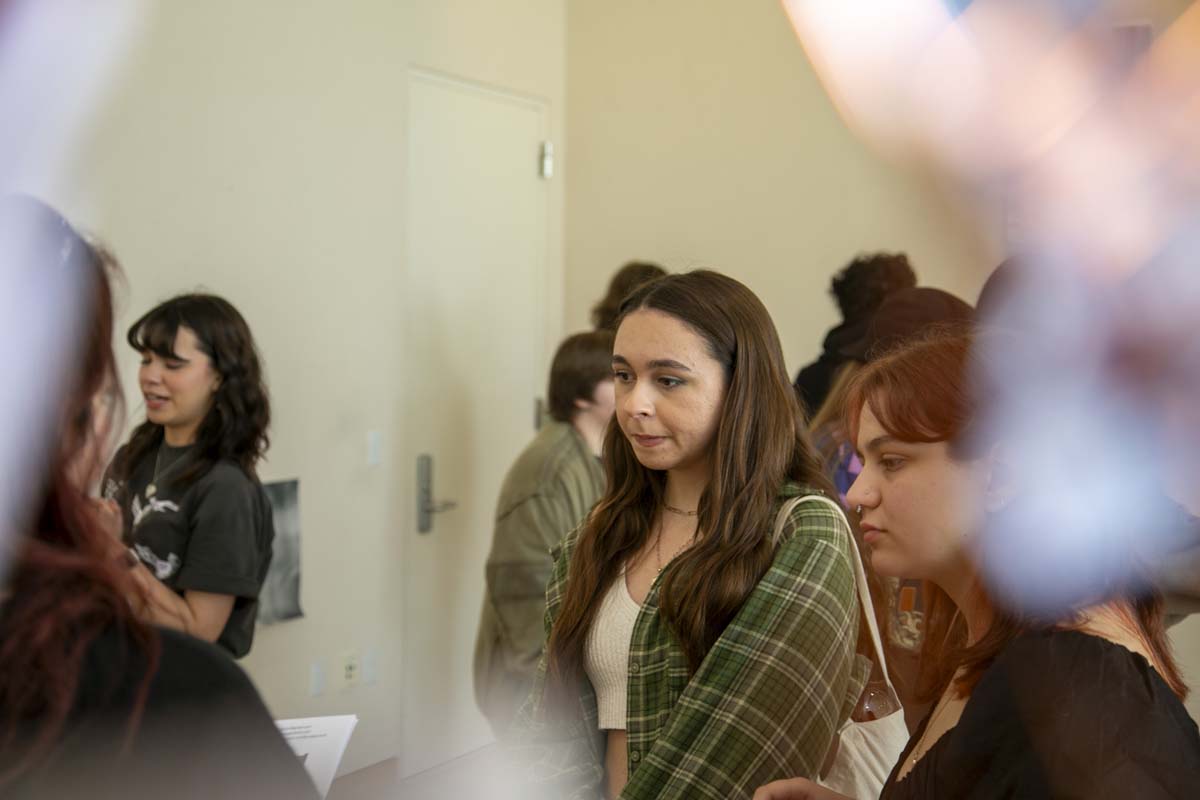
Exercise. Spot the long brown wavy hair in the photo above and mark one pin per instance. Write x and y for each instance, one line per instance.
(922, 392)
(761, 443)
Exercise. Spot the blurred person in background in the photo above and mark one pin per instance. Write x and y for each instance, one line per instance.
(859, 289)
(904, 315)
(622, 284)
(547, 493)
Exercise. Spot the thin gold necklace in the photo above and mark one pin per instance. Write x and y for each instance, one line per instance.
(658, 548)
(943, 703)
(680, 511)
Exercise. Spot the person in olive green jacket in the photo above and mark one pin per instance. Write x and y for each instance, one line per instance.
(547, 493)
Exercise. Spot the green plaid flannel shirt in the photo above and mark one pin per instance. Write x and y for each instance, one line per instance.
(765, 704)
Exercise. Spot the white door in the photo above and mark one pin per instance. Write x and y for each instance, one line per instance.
(475, 308)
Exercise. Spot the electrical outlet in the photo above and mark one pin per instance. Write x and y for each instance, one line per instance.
(351, 669)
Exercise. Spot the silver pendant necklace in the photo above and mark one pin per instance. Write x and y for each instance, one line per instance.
(152, 488)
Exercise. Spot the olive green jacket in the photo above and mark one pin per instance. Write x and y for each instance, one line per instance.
(548, 491)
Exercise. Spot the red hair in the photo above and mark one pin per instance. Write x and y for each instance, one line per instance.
(64, 588)
(922, 391)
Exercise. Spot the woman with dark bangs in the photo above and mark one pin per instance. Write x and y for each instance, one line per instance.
(94, 701)
(1084, 706)
(191, 505)
(703, 621)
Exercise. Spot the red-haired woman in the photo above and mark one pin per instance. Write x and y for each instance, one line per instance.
(1088, 705)
(94, 702)
(703, 621)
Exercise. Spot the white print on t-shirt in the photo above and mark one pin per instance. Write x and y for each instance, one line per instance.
(111, 489)
(162, 569)
(152, 506)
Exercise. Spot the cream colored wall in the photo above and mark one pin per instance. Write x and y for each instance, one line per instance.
(258, 150)
(699, 136)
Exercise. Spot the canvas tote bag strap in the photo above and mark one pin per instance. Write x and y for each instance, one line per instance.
(860, 574)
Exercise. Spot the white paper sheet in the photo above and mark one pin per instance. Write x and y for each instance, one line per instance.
(320, 742)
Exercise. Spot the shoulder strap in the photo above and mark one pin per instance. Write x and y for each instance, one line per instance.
(860, 574)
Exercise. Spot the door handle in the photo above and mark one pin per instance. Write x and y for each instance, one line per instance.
(426, 505)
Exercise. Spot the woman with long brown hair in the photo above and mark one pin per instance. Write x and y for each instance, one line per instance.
(95, 702)
(1084, 705)
(701, 642)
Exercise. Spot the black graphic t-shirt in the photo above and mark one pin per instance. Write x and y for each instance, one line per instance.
(212, 535)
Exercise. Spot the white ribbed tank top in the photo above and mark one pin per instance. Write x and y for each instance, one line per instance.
(606, 654)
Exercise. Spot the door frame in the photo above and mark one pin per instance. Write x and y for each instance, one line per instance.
(546, 336)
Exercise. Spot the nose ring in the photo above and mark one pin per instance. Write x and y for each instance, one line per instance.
(858, 510)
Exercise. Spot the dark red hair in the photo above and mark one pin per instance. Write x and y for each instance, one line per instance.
(923, 391)
(64, 588)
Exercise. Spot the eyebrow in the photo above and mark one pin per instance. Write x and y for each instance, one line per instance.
(879, 441)
(658, 363)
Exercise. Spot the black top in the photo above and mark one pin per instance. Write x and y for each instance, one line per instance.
(1061, 714)
(814, 381)
(205, 732)
(211, 535)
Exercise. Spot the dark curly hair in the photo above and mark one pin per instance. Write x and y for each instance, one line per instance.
(867, 280)
(235, 428)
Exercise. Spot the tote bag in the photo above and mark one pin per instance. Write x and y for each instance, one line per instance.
(867, 751)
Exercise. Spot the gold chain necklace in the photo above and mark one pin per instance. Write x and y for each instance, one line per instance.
(943, 703)
(680, 511)
(658, 548)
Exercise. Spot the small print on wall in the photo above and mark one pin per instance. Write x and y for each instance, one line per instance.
(280, 596)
